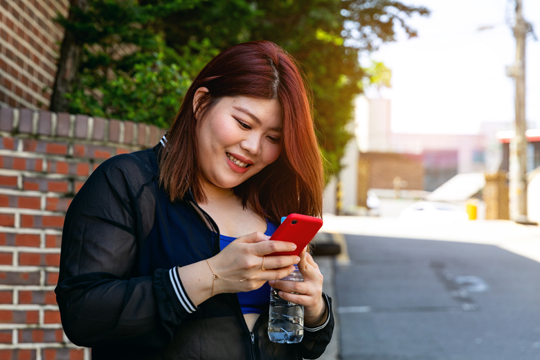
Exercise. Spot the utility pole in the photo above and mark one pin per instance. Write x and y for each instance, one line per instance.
(518, 145)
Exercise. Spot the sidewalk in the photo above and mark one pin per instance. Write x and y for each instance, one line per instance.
(523, 240)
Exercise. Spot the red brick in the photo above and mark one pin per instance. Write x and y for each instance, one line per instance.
(39, 165)
(27, 240)
(9, 143)
(4, 201)
(76, 354)
(79, 150)
(25, 297)
(27, 221)
(6, 258)
(52, 203)
(26, 258)
(8, 181)
(102, 154)
(52, 277)
(6, 336)
(29, 185)
(38, 335)
(122, 151)
(29, 145)
(50, 298)
(3, 239)
(27, 202)
(32, 317)
(19, 164)
(6, 316)
(53, 221)
(53, 241)
(7, 220)
(52, 316)
(78, 185)
(49, 354)
(57, 186)
(83, 169)
(62, 167)
(52, 259)
(6, 297)
(56, 148)
(6, 354)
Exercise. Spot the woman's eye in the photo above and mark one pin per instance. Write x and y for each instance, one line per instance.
(274, 139)
(243, 124)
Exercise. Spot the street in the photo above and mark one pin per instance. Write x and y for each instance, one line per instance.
(407, 298)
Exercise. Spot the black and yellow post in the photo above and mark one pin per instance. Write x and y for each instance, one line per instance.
(339, 197)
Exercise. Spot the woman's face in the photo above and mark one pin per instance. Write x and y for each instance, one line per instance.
(236, 139)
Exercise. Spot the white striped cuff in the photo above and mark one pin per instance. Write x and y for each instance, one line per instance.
(180, 291)
(163, 140)
(320, 327)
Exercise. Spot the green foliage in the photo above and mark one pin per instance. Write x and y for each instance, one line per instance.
(150, 92)
(127, 71)
(379, 75)
(325, 36)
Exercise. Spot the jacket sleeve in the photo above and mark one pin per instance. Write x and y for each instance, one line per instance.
(99, 300)
(316, 339)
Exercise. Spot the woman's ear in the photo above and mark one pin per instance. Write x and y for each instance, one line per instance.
(199, 93)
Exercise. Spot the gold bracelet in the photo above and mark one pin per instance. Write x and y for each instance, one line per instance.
(222, 278)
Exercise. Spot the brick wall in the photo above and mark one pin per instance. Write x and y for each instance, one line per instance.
(385, 167)
(44, 160)
(29, 46)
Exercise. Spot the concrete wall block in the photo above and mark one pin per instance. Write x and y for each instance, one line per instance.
(114, 131)
(129, 129)
(26, 121)
(100, 129)
(6, 119)
(45, 123)
(142, 134)
(63, 125)
(81, 126)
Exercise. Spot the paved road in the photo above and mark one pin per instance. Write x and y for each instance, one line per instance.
(405, 299)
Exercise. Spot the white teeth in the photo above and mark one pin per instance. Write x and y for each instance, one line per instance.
(236, 161)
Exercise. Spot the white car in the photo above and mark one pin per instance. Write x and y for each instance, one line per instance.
(428, 211)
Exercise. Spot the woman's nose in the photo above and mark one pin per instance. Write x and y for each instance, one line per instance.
(251, 144)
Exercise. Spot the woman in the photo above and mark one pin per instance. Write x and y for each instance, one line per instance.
(165, 251)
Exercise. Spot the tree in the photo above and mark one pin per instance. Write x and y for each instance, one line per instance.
(325, 36)
(124, 68)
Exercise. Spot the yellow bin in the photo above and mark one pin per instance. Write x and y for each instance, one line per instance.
(471, 210)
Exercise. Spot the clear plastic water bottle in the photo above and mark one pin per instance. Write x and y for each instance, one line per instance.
(286, 321)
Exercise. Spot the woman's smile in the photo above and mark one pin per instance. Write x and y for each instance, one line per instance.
(236, 164)
(247, 131)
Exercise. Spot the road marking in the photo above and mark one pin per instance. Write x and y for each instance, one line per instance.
(343, 257)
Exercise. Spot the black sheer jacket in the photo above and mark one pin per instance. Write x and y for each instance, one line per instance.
(114, 298)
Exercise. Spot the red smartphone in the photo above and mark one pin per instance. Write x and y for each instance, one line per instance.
(298, 229)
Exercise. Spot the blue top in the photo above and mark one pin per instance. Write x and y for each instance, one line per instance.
(252, 302)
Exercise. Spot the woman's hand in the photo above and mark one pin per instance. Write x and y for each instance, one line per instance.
(308, 292)
(243, 260)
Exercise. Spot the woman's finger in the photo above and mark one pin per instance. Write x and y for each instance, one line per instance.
(311, 261)
(306, 300)
(272, 246)
(255, 237)
(278, 262)
(290, 286)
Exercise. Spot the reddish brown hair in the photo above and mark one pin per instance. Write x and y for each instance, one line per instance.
(261, 69)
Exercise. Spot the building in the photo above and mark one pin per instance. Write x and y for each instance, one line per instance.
(29, 49)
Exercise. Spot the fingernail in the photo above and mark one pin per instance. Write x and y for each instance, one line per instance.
(293, 246)
(272, 282)
(267, 237)
(297, 259)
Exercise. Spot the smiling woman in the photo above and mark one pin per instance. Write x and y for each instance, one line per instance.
(165, 251)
